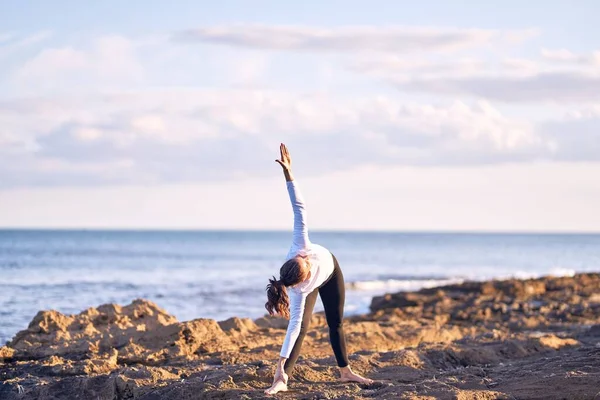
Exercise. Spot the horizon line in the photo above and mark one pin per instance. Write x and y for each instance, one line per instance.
(318, 230)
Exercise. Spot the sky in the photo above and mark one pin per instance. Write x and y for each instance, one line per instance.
(401, 116)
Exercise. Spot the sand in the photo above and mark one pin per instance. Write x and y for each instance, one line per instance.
(513, 339)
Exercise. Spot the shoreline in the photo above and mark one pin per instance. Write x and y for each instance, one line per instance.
(468, 340)
(363, 289)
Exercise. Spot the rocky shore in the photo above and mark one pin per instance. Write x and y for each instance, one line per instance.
(513, 339)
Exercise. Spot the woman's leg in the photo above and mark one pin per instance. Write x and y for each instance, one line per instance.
(333, 294)
(308, 309)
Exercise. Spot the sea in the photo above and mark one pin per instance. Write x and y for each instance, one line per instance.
(220, 274)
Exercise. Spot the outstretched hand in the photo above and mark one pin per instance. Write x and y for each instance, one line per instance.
(286, 160)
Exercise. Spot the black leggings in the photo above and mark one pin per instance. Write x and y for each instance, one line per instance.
(332, 295)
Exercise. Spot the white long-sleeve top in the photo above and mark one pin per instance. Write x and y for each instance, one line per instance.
(321, 268)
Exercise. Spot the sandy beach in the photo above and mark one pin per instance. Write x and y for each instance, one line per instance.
(513, 339)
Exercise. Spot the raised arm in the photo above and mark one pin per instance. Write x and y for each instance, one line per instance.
(300, 238)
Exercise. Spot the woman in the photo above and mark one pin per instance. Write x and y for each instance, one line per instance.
(310, 270)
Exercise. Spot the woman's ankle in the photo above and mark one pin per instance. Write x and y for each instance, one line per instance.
(345, 370)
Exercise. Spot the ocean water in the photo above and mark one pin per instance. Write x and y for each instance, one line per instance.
(219, 274)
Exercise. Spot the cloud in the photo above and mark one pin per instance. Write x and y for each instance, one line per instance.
(405, 68)
(12, 143)
(348, 39)
(105, 120)
(510, 80)
(558, 77)
(554, 87)
(576, 136)
(567, 57)
(202, 135)
(108, 62)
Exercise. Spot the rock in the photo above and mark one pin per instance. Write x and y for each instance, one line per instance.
(175, 342)
(6, 353)
(594, 298)
(452, 342)
(108, 326)
(556, 343)
(271, 322)
(397, 300)
(241, 325)
(593, 331)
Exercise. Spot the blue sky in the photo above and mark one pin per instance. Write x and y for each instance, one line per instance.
(468, 115)
(139, 16)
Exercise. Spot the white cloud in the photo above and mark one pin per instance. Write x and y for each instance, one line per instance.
(142, 134)
(249, 70)
(109, 62)
(87, 134)
(518, 66)
(509, 80)
(557, 87)
(13, 143)
(401, 66)
(349, 38)
(576, 135)
(403, 69)
(182, 135)
(568, 57)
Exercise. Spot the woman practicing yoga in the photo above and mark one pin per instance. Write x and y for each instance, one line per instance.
(310, 270)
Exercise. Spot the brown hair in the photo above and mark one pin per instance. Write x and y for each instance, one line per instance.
(278, 301)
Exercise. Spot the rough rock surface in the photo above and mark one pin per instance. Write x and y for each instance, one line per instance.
(513, 339)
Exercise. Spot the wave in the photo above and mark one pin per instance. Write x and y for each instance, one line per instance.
(401, 284)
(408, 283)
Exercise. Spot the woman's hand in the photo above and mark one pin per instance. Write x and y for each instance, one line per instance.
(286, 160)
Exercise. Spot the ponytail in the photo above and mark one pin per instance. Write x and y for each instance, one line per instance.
(278, 301)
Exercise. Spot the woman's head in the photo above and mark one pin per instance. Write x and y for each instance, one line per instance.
(292, 272)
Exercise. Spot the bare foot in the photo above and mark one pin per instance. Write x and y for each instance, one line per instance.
(278, 386)
(351, 376)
